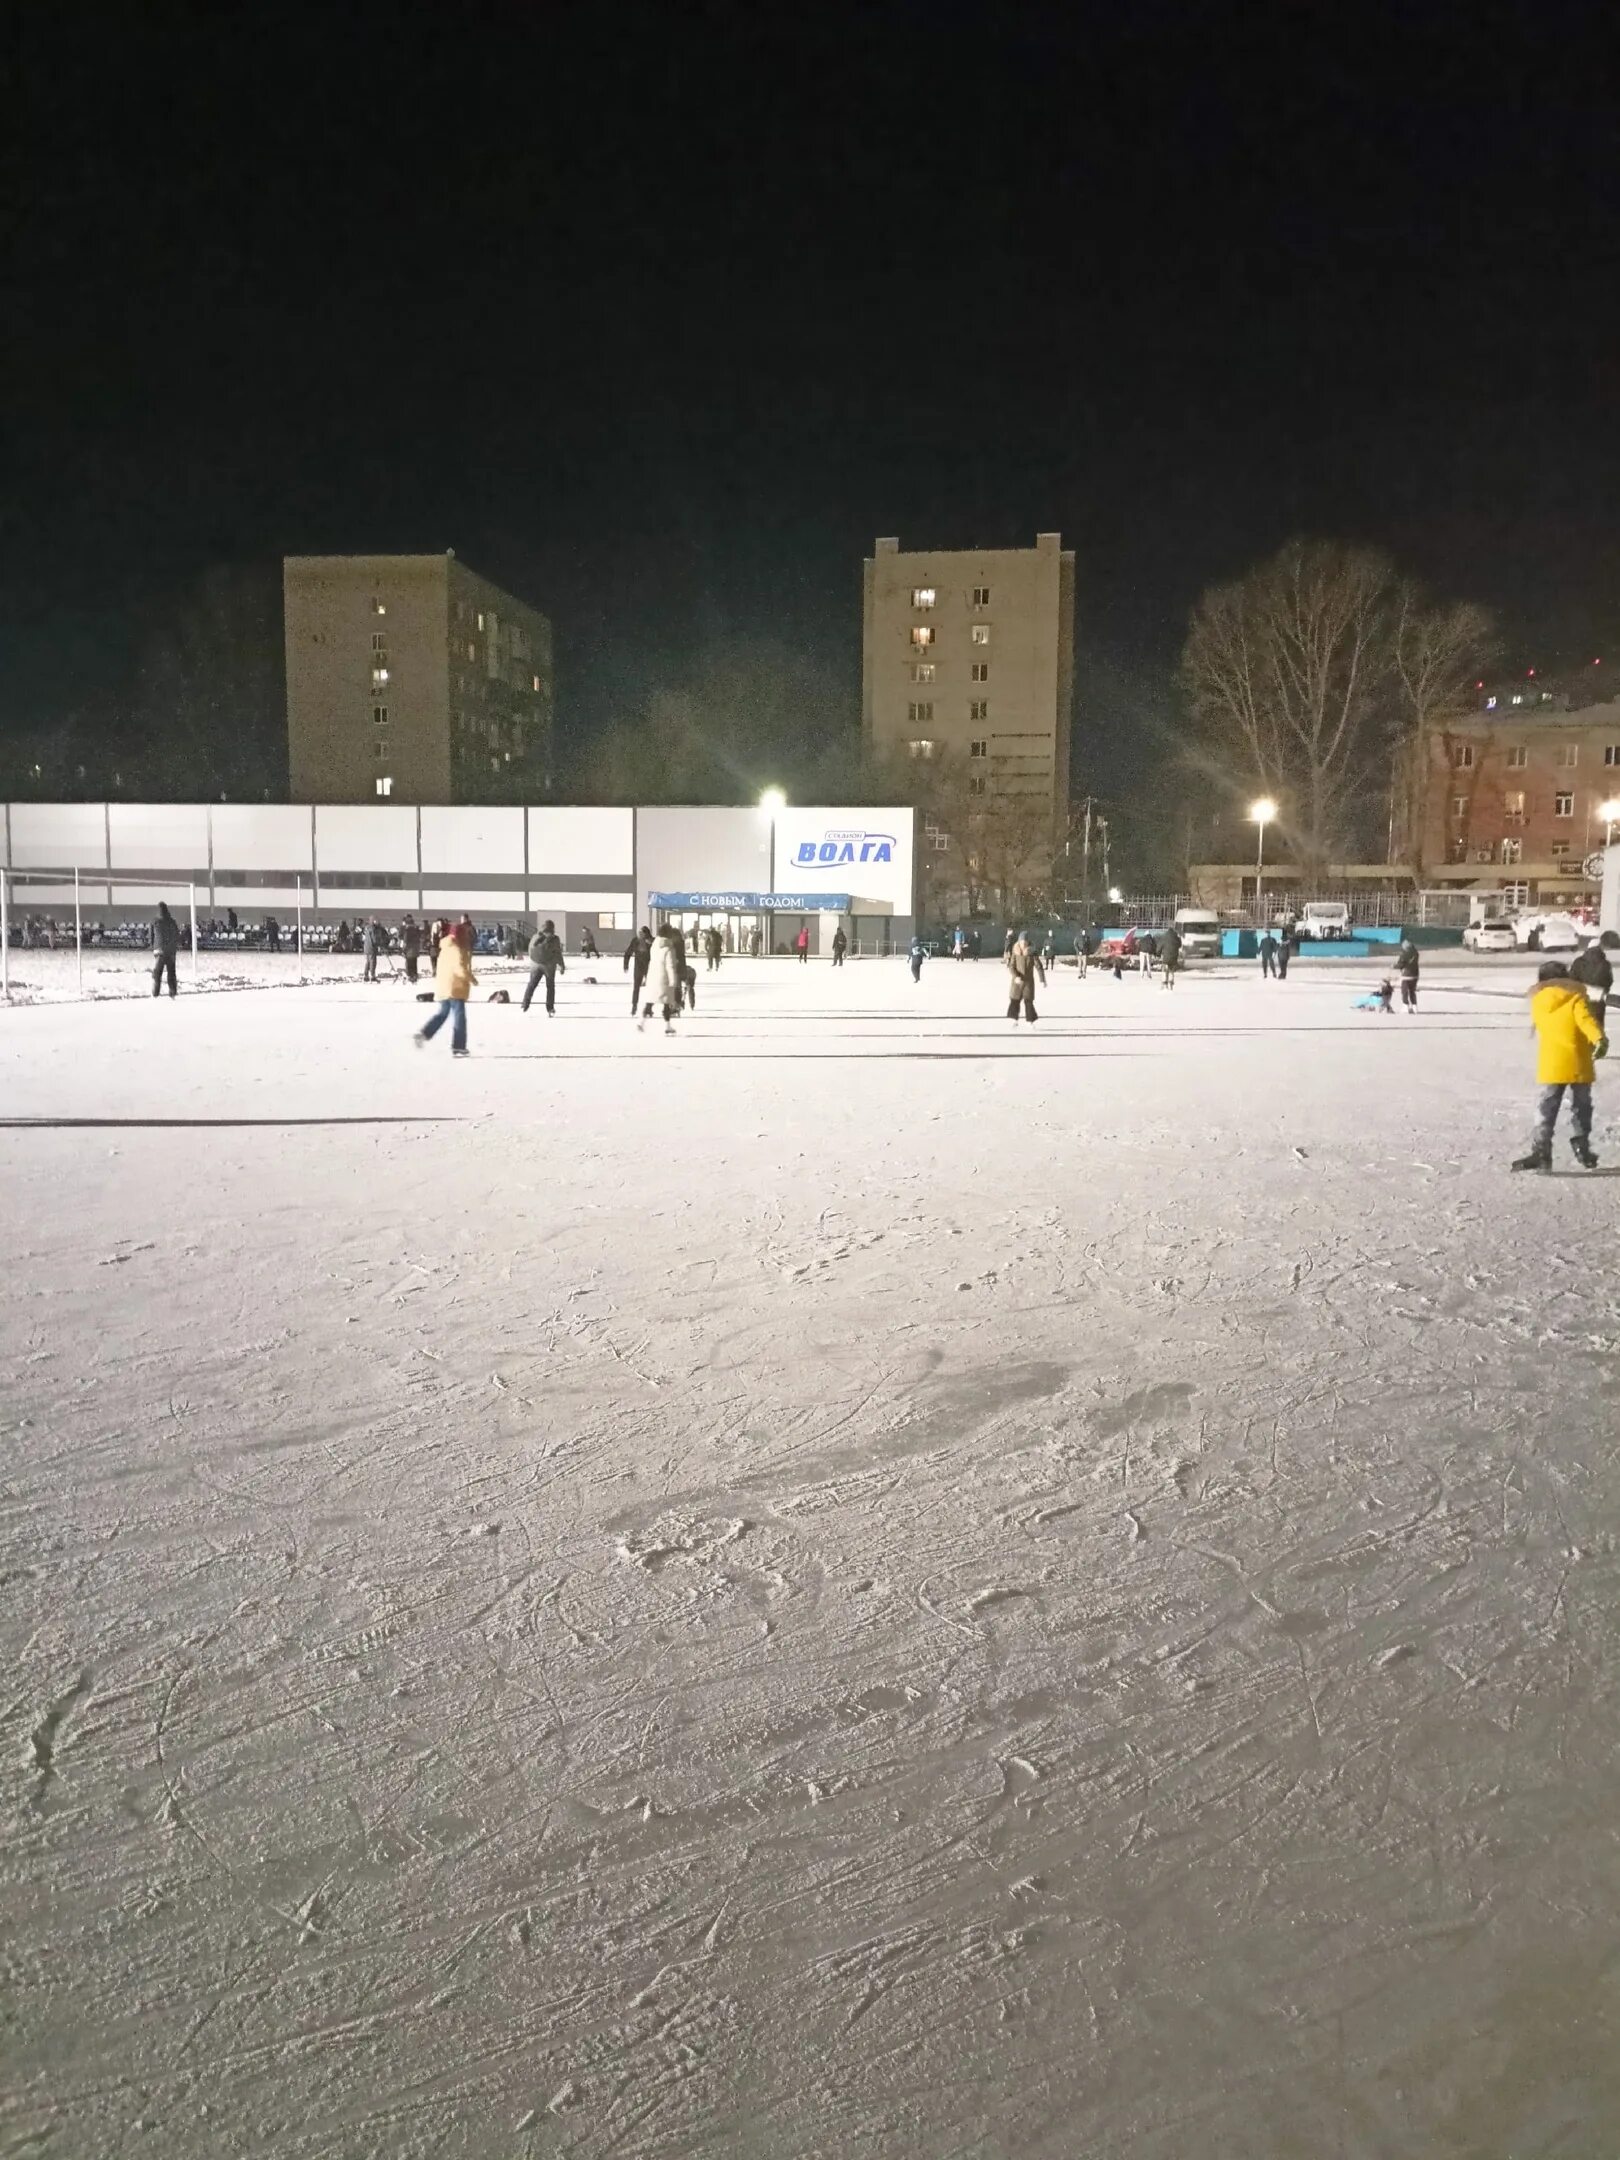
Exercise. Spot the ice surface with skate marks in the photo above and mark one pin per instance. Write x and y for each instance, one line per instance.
(857, 1582)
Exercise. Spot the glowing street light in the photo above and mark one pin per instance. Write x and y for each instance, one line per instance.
(772, 803)
(1115, 895)
(1262, 813)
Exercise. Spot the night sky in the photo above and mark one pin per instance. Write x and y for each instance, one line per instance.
(660, 316)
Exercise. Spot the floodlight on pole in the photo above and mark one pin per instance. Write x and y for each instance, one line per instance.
(773, 802)
(1261, 813)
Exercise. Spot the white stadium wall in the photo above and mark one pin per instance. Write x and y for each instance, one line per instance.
(596, 865)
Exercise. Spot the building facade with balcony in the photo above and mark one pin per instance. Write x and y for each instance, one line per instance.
(1514, 797)
(412, 679)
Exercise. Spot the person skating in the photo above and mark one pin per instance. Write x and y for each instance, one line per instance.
(453, 979)
(165, 944)
(1170, 956)
(410, 945)
(1268, 954)
(801, 945)
(1594, 971)
(638, 957)
(1408, 963)
(272, 934)
(1285, 952)
(1023, 968)
(587, 946)
(664, 979)
(840, 946)
(545, 958)
(376, 941)
(1569, 1036)
(917, 955)
(959, 943)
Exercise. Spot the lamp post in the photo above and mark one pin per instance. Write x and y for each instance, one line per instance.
(771, 805)
(1262, 813)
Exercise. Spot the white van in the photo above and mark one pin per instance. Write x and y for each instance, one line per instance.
(1200, 932)
(1324, 919)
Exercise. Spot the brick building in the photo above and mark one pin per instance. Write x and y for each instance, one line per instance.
(1513, 796)
(412, 679)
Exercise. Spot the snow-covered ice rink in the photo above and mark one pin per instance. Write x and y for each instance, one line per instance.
(861, 1583)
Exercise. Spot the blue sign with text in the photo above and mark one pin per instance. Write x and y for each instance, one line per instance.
(754, 903)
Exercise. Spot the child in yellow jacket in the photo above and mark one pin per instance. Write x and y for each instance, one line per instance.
(1569, 1036)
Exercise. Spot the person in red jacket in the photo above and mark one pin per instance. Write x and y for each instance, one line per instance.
(802, 944)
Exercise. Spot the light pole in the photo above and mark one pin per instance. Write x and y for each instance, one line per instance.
(771, 805)
(1262, 813)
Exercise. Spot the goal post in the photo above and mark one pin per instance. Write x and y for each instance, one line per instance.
(54, 889)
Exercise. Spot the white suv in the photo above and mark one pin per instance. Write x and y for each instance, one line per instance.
(1324, 919)
(1495, 934)
(1548, 933)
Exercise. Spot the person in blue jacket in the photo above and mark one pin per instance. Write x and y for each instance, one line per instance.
(919, 953)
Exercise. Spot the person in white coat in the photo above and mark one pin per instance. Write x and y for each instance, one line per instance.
(663, 981)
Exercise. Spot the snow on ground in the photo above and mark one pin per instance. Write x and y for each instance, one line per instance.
(858, 1583)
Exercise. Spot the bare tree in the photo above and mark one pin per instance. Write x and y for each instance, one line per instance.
(1286, 672)
(1437, 654)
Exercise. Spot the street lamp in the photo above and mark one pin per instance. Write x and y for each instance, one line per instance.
(1115, 895)
(1262, 813)
(1609, 812)
(771, 805)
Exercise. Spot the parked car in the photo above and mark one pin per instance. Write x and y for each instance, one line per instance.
(1495, 934)
(1549, 933)
(1200, 932)
(1324, 919)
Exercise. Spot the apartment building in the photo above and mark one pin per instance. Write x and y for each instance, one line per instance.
(410, 678)
(1515, 796)
(968, 656)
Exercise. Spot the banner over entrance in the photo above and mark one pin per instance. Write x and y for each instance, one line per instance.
(754, 903)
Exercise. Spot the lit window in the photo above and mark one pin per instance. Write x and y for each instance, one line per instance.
(977, 784)
(981, 633)
(979, 747)
(480, 618)
(1563, 806)
(922, 596)
(981, 671)
(534, 684)
(922, 636)
(920, 713)
(921, 747)
(379, 714)
(1462, 756)
(379, 640)
(385, 785)
(379, 678)
(1518, 697)
(923, 671)
(379, 607)
(1490, 704)
(472, 650)
(1513, 808)
(1518, 757)
(1512, 850)
(1569, 754)
(979, 709)
(981, 596)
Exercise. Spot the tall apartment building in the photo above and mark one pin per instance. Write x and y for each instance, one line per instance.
(1513, 798)
(969, 654)
(411, 678)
